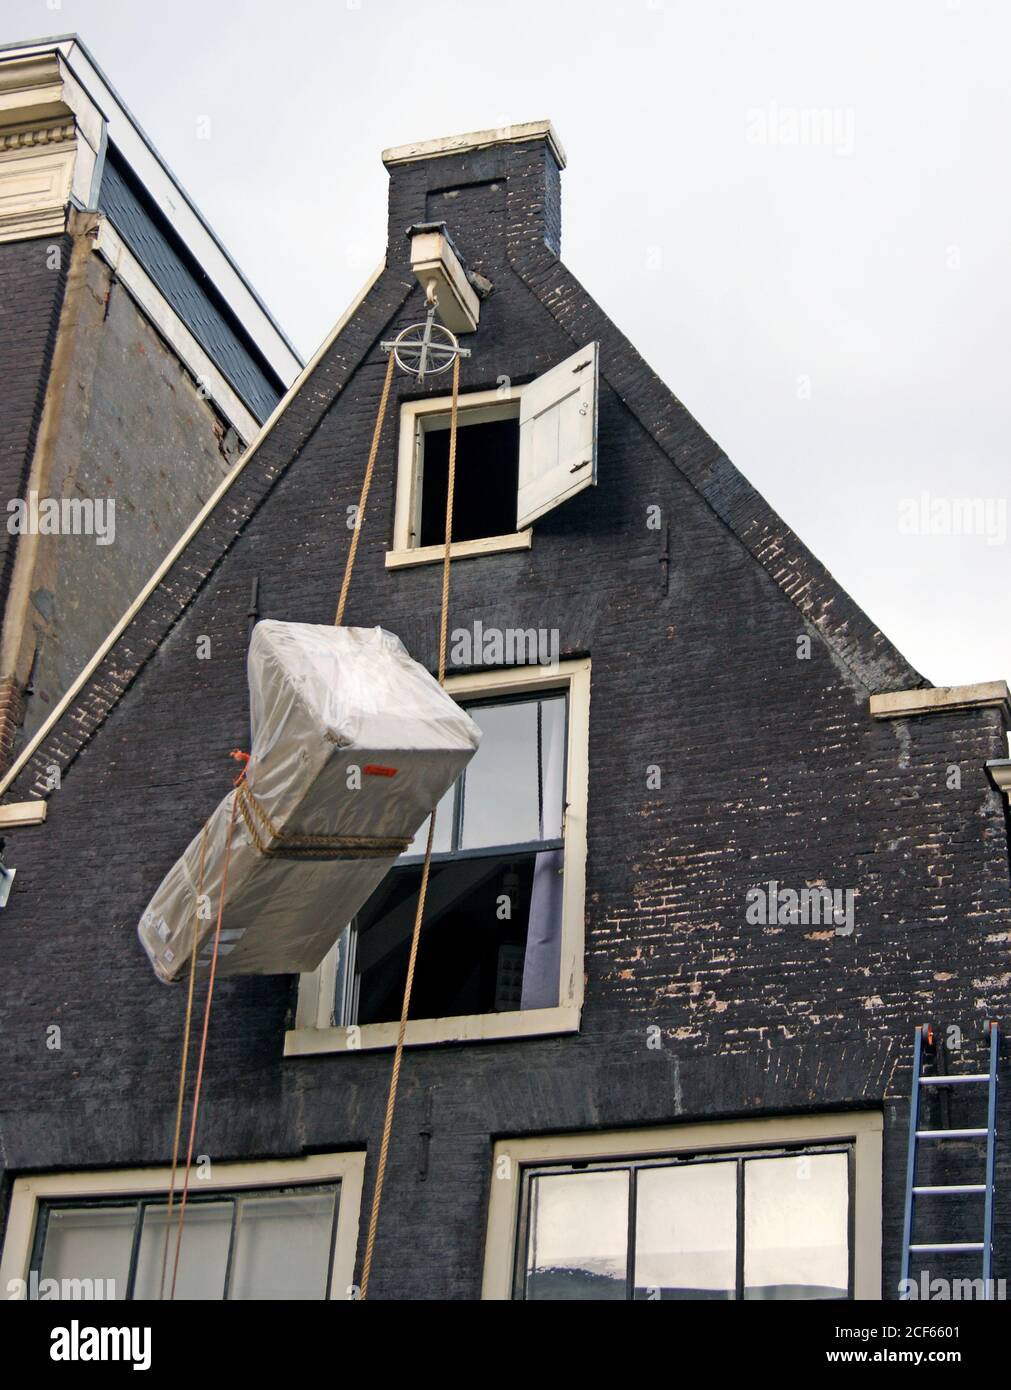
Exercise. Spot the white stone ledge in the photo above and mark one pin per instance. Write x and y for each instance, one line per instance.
(459, 550)
(942, 699)
(22, 813)
(476, 140)
(430, 1032)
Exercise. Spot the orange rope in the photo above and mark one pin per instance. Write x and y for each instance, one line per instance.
(363, 499)
(244, 758)
(391, 1098)
(184, 1064)
(203, 1046)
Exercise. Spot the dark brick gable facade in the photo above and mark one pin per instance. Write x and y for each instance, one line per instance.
(772, 768)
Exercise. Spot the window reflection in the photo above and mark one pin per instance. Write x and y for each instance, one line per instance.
(513, 789)
(265, 1244)
(513, 786)
(688, 1240)
(282, 1246)
(796, 1220)
(578, 1236)
(89, 1242)
(686, 1231)
(203, 1255)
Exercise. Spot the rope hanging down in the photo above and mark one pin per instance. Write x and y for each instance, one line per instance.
(203, 1045)
(307, 846)
(180, 1099)
(363, 499)
(391, 1099)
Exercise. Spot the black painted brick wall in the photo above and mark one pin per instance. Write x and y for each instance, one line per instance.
(771, 766)
(31, 293)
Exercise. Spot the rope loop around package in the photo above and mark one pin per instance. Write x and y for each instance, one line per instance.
(293, 845)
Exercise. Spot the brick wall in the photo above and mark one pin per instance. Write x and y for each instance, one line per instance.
(771, 769)
(31, 292)
(32, 281)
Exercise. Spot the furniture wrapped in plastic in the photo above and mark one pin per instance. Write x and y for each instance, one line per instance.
(353, 744)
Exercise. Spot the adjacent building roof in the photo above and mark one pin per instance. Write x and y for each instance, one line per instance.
(165, 231)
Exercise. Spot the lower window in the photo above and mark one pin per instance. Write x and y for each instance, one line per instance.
(759, 1210)
(93, 1237)
(773, 1225)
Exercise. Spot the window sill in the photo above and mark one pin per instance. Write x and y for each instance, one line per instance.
(459, 550)
(429, 1032)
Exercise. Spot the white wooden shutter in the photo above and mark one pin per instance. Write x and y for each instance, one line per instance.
(558, 435)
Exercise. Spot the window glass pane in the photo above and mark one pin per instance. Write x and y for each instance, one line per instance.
(796, 1223)
(282, 1246)
(90, 1243)
(578, 1236)
(343, 990)
(513, 784)
(552, 759)
(203, 1255)
(686, 1231)
(443, 828)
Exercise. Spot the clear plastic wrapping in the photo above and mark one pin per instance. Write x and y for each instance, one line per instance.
(350, 738)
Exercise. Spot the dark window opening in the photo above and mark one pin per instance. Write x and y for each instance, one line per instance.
(487, 481)
(473, 940)
(491, 933)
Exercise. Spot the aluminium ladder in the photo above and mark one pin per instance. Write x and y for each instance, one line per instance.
(924, 1041)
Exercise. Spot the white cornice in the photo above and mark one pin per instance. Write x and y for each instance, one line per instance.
(62, 73)
(31, 136)
(476, 140)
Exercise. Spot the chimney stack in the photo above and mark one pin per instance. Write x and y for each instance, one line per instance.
(494, 189)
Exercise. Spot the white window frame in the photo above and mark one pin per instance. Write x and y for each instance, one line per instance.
(314, 1031)
(475, 408)
(862, 1129)
(346, 1168)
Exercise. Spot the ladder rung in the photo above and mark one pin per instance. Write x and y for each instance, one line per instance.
(961, 1189)
(951, 1133)
(965, 1080)
(959, 1247)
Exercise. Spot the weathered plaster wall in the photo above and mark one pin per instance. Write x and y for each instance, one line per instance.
(128, 425)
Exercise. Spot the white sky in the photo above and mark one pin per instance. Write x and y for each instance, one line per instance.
(835, 314)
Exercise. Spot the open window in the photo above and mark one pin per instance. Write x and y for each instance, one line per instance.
(501, 944)
(277, 1230)
(764, 1209)
(521, 452)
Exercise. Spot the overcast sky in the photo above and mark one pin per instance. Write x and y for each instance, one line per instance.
(796, 209)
